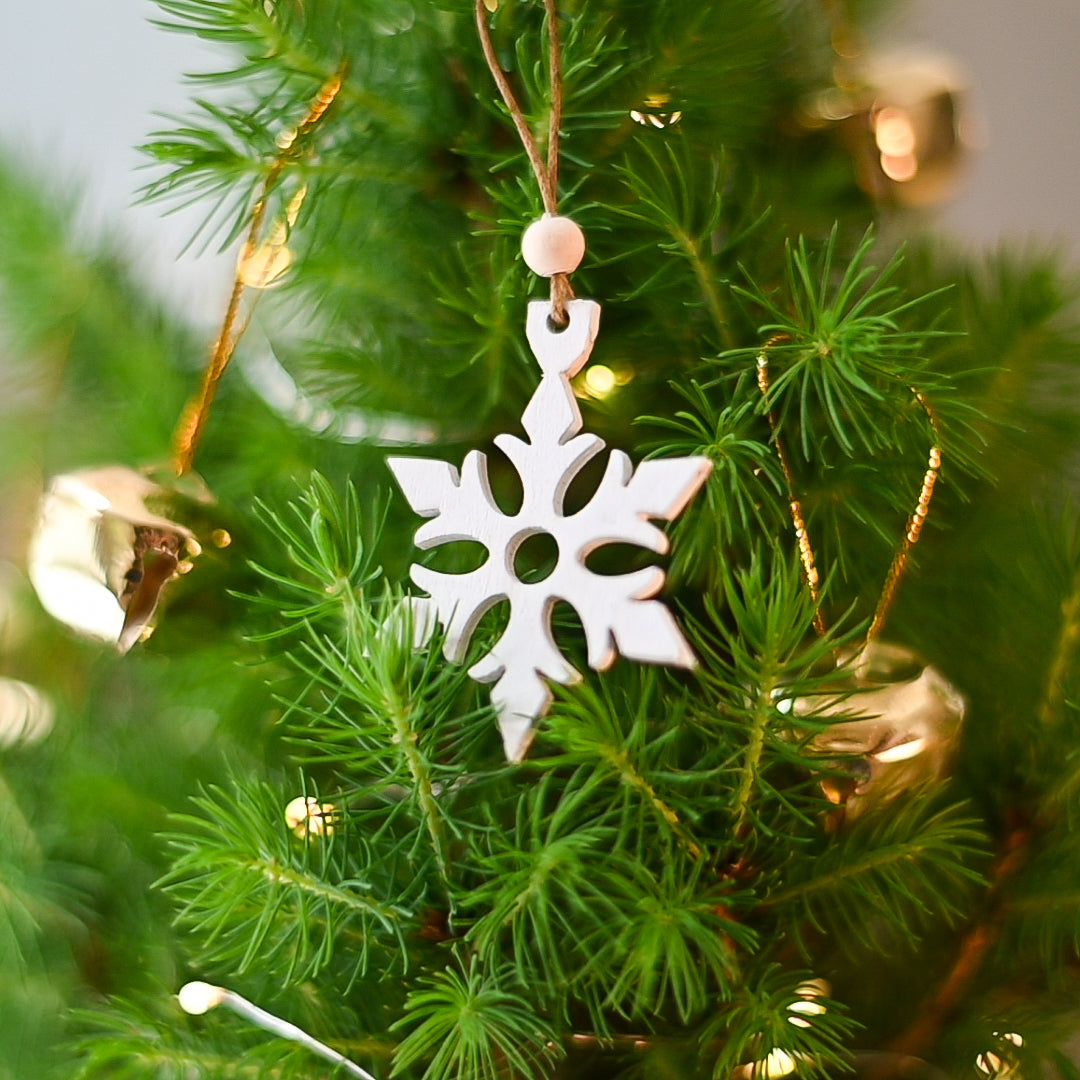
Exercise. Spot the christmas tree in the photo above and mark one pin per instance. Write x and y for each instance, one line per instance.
(371, 773)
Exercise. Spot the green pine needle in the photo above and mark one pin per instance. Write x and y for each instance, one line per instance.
(903, 870)
(262, 899)
(759, 1022)
(465, 1023)
(848, 358)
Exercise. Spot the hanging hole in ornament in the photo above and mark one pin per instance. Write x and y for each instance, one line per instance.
(556, 327)
(536, 557)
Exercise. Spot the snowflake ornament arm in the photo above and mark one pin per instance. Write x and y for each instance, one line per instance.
(617, 611)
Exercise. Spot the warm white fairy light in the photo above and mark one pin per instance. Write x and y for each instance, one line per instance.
(306, 816)
(990, 1064)
(778, 1062)
(197, 998)
(600, 380)
(652, 117)
(775, 1064)
(994, 1066)
(656, 120)
(807, 1008)
(806, 1005)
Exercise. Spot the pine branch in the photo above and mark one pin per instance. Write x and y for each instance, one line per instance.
(130, 1043)
(757, 1024)
(943, 1003)
(1062, 662)
(1017, 857)
(407, 736)
(625, 738)
(667, 200)
(1042, 913)
(666, 842)
(759, 655)
(30, 904)
(330, 543)
(908, 870)
(540, 895)
(262, 898)
(468, 1025)
(847, 356)
(678, 951)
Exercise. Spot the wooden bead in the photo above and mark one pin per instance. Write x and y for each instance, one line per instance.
(553, 245)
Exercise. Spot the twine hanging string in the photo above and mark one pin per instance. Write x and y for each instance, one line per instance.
(546, 172)
(802, 536)
(192, 425)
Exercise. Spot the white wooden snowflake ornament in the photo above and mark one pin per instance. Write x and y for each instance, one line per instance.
(616, 611)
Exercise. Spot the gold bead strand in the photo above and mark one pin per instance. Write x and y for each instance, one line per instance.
(915, 523)
(802, 536)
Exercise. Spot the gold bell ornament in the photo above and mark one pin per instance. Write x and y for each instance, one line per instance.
(106, 543)
(103, 551)
(895, 726)
(907, 119)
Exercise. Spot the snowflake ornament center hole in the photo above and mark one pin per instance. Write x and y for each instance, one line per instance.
(536, 557)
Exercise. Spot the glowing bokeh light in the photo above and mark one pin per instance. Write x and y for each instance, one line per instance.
(600, 380)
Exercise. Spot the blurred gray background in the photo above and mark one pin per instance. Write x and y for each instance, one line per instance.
(80, 83)
(1023, 61)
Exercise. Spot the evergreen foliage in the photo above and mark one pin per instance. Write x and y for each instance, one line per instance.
(651, 892)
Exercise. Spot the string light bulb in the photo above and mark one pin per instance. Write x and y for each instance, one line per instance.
(600, 380)
(1000, 1066)
(775, 1064)
(197, 998)
(306, 816)
(653, 114)
(778, 1062)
